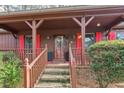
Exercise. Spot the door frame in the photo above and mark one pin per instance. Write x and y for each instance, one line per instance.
(54, 36)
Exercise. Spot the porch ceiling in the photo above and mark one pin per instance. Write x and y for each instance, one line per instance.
(107, 16)
(66, 23)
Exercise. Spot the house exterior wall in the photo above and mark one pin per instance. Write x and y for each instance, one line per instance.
(7, 41)
(48, 37)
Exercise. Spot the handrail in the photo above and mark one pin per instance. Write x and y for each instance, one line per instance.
(72, 68)
(35, 60)
(33, 71)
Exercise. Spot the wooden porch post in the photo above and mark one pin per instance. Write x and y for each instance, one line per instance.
(83, 40)
(34, 38)
(82, 23)
(34, 27)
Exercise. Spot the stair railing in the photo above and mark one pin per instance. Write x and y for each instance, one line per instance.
(22, 53)
(72, 65)
(33, 70)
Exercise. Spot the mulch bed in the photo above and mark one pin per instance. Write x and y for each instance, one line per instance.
(85, 79)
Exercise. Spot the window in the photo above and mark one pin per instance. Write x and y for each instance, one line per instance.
(28, 41)
(89, 39)
(120, 35)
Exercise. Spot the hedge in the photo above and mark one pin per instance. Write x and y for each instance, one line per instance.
(107, 59)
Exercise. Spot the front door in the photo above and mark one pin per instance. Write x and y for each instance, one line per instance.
(60, 47)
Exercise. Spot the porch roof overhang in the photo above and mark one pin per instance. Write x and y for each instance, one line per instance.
(107, 16)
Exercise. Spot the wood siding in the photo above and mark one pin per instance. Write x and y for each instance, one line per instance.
(7, 41)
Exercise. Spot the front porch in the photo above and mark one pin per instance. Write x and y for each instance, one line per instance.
(67, 35)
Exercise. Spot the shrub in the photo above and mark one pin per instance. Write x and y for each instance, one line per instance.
(107, 59)
(10, 73)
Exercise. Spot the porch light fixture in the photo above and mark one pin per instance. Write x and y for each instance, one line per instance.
(98, 24)
(79, 37)
(48, 37)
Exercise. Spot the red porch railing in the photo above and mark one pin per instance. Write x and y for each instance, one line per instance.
(33, 70)
(22, 53)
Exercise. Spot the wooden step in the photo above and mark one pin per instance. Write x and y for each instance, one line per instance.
(67, 80)
(55, 70)
(55, 76)
(57, 73)
(58, 65)
(53, 85)
(58, 61)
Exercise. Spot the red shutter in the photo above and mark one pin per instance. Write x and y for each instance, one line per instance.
(21, 41)
(38, 44)
(78, 40)
(112, 36)
(98, 36)
(38, 41)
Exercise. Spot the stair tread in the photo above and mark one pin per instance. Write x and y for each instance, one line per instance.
(55, 76)
(56, 73)
(57, 65)
(67, 80)
(56, 70)
(52, 85)
(53, 79)
(61, 67)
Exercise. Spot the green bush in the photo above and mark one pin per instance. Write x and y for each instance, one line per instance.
(10, 72)
(107, 59)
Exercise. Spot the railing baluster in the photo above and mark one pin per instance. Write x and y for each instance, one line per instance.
(37, 66)
(75, 59)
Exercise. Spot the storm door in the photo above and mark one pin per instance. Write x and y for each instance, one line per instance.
(60, 47)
